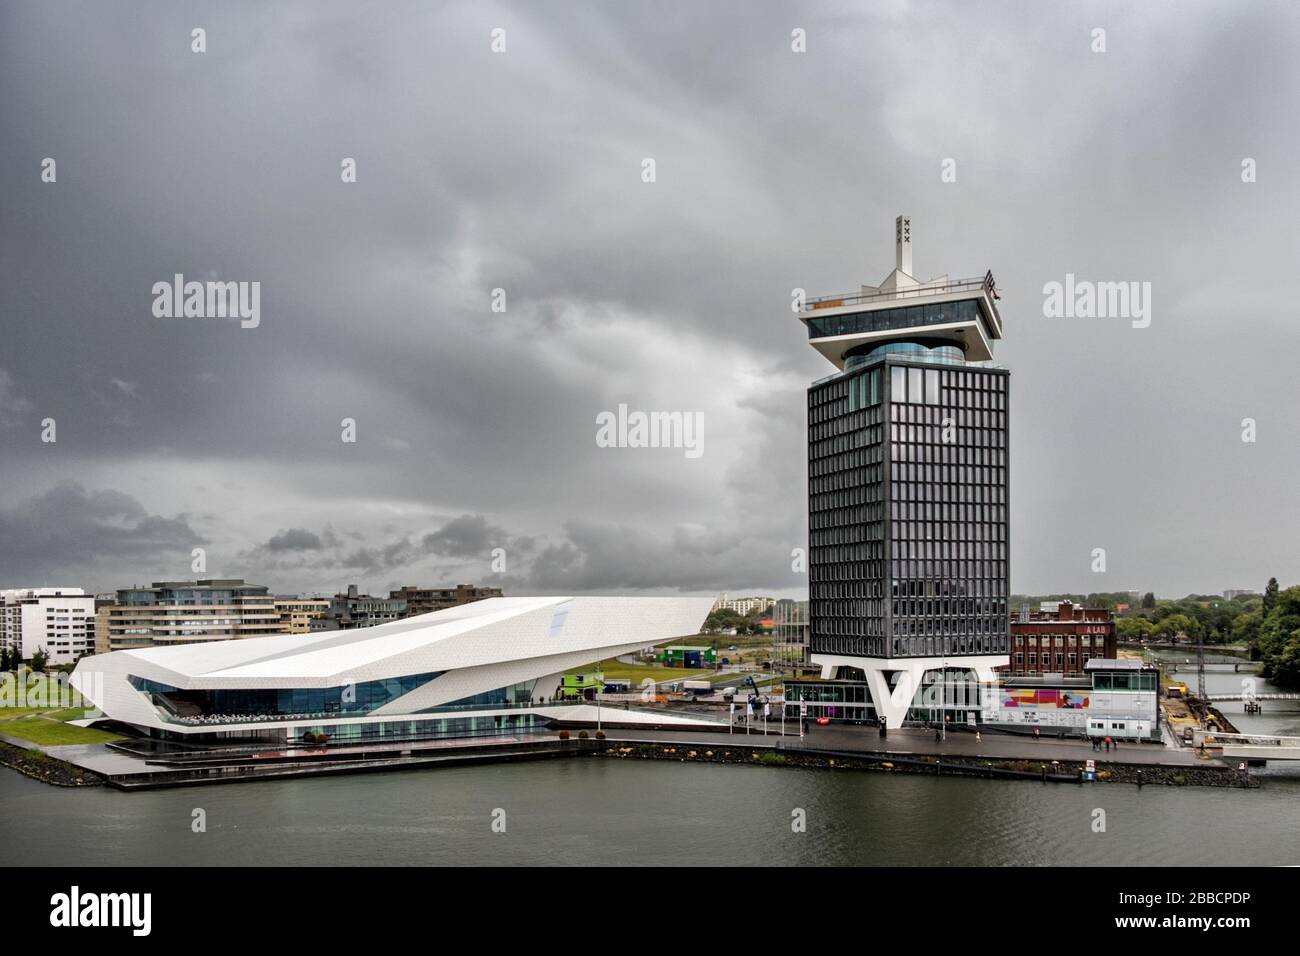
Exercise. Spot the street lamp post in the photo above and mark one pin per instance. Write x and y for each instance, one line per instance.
(943, 689)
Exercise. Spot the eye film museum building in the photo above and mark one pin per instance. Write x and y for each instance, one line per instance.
(489, 668)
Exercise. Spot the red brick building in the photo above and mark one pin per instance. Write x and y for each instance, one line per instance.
(1061, 641)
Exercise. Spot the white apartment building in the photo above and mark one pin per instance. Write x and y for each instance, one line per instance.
(60, 621)
(742, 606)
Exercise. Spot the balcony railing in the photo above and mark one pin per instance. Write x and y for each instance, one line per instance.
(867, 298)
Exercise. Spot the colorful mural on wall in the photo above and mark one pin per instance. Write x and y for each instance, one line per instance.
(1044, 697)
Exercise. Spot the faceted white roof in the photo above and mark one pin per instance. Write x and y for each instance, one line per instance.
(492, 631)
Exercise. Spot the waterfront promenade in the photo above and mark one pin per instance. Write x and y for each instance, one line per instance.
(132, 765)
(914, 742)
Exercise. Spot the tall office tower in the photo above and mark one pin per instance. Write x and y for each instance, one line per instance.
(907, 484)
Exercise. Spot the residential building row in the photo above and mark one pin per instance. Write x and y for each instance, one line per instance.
(66, 623)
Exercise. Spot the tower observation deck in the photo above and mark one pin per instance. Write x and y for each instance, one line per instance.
(958, 316)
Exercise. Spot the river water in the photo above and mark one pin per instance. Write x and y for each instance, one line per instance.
(1279, 716)
(605, 811)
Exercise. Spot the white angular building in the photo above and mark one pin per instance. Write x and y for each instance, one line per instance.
(483, 669)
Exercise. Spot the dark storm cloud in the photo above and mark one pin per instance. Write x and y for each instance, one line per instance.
(70, 527)
(387, 557)
(13, 406)
(603, 556)
(295, 539)
(463, 536)
(521, 171)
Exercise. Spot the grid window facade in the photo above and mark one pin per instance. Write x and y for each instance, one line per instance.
(908, 511)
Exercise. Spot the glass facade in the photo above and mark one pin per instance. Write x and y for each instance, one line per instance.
(1124, 680)
(215, 708)
(394, 730)
(905, 317)
(516, 695)
(930, 351)
(952, 695)
(908, 510)
(838, 701)
(252, 704)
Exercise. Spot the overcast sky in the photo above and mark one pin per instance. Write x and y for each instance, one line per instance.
(522, 170)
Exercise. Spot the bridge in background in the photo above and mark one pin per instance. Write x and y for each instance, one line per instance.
(1235, 667)
(1250, 746)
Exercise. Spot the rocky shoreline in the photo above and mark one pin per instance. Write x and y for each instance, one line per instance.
(51, 770)
(1064, 771)
(46, 769)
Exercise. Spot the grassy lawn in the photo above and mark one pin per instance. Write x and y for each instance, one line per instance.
(7, 713)
(39, 730)
(617, 670)
(753, 649)
(72, 713)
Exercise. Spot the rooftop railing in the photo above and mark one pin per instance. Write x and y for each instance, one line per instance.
(921, 291)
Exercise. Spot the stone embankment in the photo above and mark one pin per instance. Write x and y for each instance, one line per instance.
(1061, 772)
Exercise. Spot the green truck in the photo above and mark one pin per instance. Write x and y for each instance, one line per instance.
(582, 686)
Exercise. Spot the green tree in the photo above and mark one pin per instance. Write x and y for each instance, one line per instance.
(39, 660)
(1134, 628)
(1175, 624)
(1286, 664)
(1270, 596)
(1245, 630)
(1148, 601)
(1279, 640)
(723, 619)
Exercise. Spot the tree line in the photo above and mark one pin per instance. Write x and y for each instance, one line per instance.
(1268, 624)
